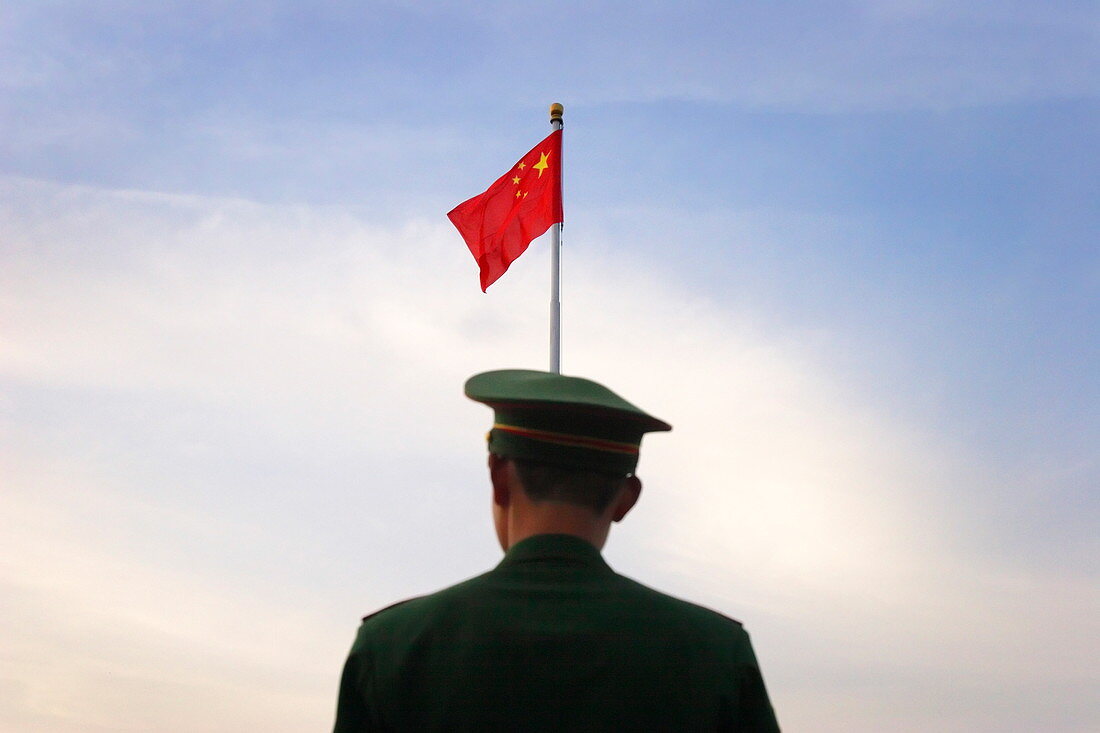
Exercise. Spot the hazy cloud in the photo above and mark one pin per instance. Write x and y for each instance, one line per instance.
(230, 428)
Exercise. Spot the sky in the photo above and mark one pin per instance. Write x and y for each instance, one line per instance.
(847, 249)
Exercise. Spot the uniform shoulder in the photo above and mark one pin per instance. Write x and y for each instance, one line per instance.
(690, 612)
(419, 607)
(382, 610)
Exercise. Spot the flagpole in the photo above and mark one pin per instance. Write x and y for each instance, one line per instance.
(556, 111)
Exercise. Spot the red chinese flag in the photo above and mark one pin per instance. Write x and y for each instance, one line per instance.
(520, 205)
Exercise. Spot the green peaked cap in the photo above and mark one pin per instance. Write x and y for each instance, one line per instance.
(565, 421)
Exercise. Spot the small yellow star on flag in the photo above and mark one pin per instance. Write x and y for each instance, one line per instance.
(515, 180)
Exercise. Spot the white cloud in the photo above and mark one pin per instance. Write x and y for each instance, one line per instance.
(144, 335)
(816, 57)
(809, 57)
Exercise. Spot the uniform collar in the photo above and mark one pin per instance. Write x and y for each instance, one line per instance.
(566, 547)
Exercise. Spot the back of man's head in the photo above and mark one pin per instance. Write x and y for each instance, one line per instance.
(544, 482)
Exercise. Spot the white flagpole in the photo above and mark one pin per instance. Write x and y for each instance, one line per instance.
(556, 111)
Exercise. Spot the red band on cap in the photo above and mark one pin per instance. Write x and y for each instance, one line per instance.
(576, 441)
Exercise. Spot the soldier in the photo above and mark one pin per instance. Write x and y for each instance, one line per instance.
(553, 639)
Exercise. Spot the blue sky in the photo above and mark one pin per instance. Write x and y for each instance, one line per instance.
(849, 249)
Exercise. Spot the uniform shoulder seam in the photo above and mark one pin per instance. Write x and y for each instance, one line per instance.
(392, 605)
(684, 601)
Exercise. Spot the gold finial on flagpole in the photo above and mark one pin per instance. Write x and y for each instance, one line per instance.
(556, 111)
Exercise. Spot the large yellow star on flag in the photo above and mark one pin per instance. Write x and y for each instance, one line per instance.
(542, 164)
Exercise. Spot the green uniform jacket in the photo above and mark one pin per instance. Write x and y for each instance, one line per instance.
(552, 639)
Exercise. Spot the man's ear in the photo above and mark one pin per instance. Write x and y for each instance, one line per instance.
(500, 470)
(627, 498)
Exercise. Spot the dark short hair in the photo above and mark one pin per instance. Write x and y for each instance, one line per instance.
(545, 482)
